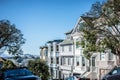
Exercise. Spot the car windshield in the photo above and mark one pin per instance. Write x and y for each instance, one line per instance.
(17, 72)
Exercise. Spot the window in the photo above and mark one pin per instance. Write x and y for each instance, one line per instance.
(57, 48)
(46, 53)
(72, 61)
(51, 48)
(70, 48)
(77, 44)
(110, 29)
(52, 72)
(93, 61)
(57, 60)
(69, 61)
(66, 61)
(62, 48)
(51, 60)
(102, 56)
(63, 61)
(68, 36)
(83, 61)
(110, 56)
(77, 61)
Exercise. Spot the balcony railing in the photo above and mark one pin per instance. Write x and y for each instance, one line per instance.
(53, 65)
(57, 54)
(103, 64)
(65, 67)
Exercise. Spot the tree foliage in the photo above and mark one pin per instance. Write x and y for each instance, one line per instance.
(105, 34)
(95, 10)
(40, 68)
(11, 38)
(8, 64)
(89, 43)
(110, 26)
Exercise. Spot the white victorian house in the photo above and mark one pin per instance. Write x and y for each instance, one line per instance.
(66, 56)
(73, 61)
(50, 53)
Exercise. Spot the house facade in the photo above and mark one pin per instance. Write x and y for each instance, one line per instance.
(44, 53)
(66, 56)
(69, 59)
(50, 53)
(74, 63)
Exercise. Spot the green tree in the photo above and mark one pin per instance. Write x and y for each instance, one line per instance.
(88, 42)
(11, 38)
(40, 68)
(105, 34)
(111, 33)
(89, 37)
(95, 10)
(8, 64)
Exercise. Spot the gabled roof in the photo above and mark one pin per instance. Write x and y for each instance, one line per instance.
(43, 47)
(80, 24)
(89, 20)
(57, 40)
(2, 59)
(69, 32)
(67, 42)
(76, 25)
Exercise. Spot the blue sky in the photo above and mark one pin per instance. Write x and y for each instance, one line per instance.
(43, 20)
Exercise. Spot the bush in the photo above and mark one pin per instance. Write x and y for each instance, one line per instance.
(39, 68)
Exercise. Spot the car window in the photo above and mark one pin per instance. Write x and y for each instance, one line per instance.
(114, 71)
(118, 69)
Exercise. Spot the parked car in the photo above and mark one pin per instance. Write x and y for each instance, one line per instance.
(114, 74)
(18, 74)
(84, 79)
(76, 78)
(72, 78)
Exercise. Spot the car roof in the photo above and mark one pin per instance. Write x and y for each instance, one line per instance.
(2, 70)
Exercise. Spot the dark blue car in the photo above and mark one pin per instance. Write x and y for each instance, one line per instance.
(18, 74)
(71, 78)
(114, 74)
